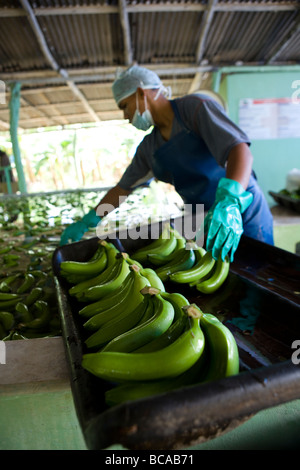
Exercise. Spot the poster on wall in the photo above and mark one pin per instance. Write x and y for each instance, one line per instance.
(270, 118)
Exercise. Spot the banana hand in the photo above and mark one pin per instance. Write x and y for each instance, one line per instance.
(167, 362)
(218, 277)
(7, 320)
(128, 318)
(109, 301)
(163, 245)
(161, 319)
(99, 316)
(97, 292)
(158, 259)
(42, 319)
(184, 259)
(88, 268)
(199, 270)
(29, 281)
(78, 290)
(153, 278)
(130, 391)
(222, 348)
(35, 294)
(175, 329)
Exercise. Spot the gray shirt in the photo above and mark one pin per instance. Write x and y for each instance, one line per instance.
(200, 114)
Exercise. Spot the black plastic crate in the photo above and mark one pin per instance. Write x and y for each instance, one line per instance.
(286, 201)
(260, 304)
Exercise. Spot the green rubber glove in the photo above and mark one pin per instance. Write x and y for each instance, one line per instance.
(223, 223)
(75, 231)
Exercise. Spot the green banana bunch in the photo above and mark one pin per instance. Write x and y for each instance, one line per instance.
(28, 283)
(7, 283)
(132, 261)
(131, 313)
(77, 270)
(11, 260)
(5, 296)
(162, 316)
(130, 391)
(98, 316)
(223, 351)
(178, 301)
(216, 279)
(35, 294)
(41, 320)
(8, 300)
(4, 287)
(109, 301)
(167, 362)
(159, 259)
(111, 252)
(153, 278)
(23, 313)
(122, 270)
(183, 259)
(219, 359)
(7, 321)
(116, 326)
(204, 263)
(164, 244)
(79, 290)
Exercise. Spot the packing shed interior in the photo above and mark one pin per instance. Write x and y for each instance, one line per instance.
(60, 58)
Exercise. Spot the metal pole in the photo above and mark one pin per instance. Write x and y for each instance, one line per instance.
(14, 106)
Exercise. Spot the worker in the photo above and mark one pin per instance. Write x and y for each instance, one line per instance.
(5, 162)
(196, 147)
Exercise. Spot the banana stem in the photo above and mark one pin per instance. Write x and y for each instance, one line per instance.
(193, 311)
(150, 290)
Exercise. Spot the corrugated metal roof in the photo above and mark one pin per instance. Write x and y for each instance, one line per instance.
(65, 52)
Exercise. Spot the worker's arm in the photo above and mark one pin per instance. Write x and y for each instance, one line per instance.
(223, 223)
(112, 199)
(239, 164)
(108, 203)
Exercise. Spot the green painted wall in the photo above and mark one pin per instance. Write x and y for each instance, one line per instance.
(273, 159)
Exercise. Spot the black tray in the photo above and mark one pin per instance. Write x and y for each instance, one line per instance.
(286, 201)
(265, 320)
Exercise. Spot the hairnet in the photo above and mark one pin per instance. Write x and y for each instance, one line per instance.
(131, 79)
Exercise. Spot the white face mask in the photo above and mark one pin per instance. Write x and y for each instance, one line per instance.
(142, 121)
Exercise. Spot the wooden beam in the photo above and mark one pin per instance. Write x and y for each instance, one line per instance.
(81, 117)
(126, 31)
(207, 19)
(152, 7)
(162, 69)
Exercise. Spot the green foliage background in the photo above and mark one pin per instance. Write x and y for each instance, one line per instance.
(75, 157)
